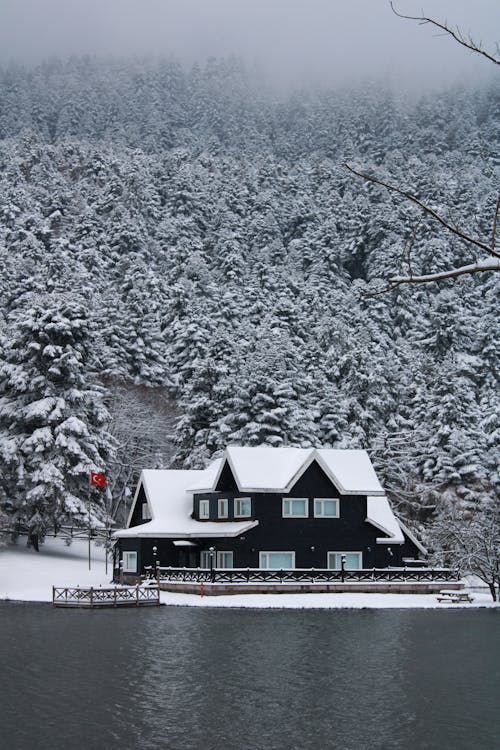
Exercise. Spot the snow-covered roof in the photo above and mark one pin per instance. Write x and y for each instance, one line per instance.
(171, 507)
(267, 469)
(207, 477)
(379, 514)
(258, 469)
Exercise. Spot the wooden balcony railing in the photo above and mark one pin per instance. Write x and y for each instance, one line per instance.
(304, 575)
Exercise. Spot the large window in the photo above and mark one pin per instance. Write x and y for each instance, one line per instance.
(327, 507)
(277, 560)
(295, 507)
(204, 509)
(130, 562)
(224, 559)
(353, 560)
(221, 559)
(242, 507)
(222, 507)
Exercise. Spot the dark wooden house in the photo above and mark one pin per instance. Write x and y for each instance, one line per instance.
(265, 507)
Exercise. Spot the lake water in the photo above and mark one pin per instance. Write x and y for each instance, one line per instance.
(179, 678)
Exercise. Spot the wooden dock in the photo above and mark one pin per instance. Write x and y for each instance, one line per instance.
(116, 596)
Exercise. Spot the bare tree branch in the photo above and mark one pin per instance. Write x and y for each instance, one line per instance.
(479, 267)
(428, 210)
(456, 34)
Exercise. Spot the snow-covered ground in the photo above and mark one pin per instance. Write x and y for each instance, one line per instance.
(26, 575)
(323, 601)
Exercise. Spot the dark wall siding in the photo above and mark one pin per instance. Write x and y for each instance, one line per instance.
(311, 538)
(226, 481)
(130, 545)
(137, 512)
(314, 483)
(410, 550)
(323, 534)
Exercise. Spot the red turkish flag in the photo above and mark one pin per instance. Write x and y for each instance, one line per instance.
(98, 479)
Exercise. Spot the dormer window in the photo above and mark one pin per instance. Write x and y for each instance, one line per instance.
(146, 513)
(204, 511)
(242, 507)
(222, 507)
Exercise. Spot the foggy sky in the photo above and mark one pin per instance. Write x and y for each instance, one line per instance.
(295, 41)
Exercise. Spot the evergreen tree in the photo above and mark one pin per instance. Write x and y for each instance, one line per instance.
(52, 419)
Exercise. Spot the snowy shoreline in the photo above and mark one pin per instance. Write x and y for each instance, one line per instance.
(28, 576)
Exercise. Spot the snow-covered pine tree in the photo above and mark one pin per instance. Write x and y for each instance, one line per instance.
(52, 419)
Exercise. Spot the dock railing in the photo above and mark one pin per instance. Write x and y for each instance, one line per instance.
(304, 575)
(132, 596)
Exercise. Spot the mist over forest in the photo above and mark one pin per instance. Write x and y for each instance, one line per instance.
(186, 264)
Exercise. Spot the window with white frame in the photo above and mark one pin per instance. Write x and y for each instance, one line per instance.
(224, 559)
(277, 560)
(326, 507)
(146, 513)
(353, 560)
(205, 559)
(221, 559)
(295, 507)
(130, 562)
(242, 507)
(204, 509)
(222, 507)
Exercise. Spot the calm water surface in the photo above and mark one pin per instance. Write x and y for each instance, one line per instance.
(178, 678)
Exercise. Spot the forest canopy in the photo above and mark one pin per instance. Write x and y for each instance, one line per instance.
(218, 256)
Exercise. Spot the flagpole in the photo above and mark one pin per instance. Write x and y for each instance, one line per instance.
(90, 479)
(98, 479)
(106, 553)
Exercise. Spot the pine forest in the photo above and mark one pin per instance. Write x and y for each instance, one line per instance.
(187, 264)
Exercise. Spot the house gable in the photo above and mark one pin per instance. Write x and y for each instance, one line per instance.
(314, 482)
(135, 516)
(226, 481)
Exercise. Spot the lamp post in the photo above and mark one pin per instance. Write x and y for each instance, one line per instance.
(121, 572)
(106, 548)
(342, 568)
(155, 561)
(211, 551)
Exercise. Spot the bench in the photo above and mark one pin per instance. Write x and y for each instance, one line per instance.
(454, 596)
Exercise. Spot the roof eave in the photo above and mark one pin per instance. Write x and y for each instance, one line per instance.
(198, 534)
(390, 538)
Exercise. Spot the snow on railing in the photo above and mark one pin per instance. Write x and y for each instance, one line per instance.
(304, 575)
